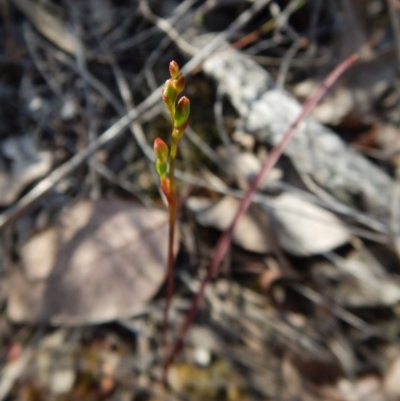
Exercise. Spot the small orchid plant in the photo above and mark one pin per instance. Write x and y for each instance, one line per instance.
(179, 112)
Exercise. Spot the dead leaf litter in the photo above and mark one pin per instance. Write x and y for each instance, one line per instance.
(306, 303)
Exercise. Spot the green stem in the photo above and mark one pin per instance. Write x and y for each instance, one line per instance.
(172, 222)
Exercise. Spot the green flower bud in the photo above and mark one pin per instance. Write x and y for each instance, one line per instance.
(182, 112)
(161, 149)
(161, 168)
(169, 94)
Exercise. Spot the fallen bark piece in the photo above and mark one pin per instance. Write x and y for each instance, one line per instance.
(315, 150)
(104, 260)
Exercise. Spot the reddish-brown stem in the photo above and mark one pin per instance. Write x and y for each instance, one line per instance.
(172, 206)
(225, 239)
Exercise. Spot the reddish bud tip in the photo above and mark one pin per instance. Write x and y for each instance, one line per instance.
(161, 150)
(173, 69)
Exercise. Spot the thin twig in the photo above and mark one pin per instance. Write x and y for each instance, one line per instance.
(206, 149)
(219, 117)
(90, 112)
(103, 170)
(286, 63)
(166, 26)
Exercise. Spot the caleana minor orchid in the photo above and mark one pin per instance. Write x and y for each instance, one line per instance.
(179, 112)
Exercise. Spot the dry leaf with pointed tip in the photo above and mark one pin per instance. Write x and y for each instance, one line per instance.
(49, 24)
(303, 228)
(359, 282)
(104, 260)
(251, 232)
(244, 166)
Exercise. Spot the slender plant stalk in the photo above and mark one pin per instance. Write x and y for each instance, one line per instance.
(225, 239)
(172, 208)
(165, 165)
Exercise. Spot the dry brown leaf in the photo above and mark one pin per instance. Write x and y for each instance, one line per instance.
(304, 229)
(103, 261)
(356, 281)
(244, 166)
(49, 24)
(252, 230)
